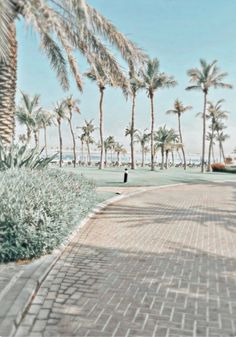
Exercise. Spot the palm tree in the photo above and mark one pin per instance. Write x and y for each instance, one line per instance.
(119, 149)
(87, 130)
(103, 78)
(154, 80)
(178, 110)
(135, 84)
(72, 106)
(109, 144)
(27, 113)
(203, 79)
(221, 138)
(215, 114)
(45, 120)
(143, 138)
(60, 114)
(165, 139)
(64, 26)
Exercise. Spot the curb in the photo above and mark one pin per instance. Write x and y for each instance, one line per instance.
(11, 322)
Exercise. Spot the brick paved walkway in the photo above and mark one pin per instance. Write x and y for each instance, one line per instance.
(162, 263)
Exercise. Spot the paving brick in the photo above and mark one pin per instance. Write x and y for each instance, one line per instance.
(159, 264)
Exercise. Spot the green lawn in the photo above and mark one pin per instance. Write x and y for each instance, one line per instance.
(113, 177)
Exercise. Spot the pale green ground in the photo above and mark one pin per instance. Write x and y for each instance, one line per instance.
(113, 177)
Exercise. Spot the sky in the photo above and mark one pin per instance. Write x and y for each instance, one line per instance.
(178, 33)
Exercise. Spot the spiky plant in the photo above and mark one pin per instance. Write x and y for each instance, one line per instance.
(178, 110)
(154, 80)
(63, 26)
(203, 78)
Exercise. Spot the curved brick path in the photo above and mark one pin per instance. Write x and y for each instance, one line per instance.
(162, 263)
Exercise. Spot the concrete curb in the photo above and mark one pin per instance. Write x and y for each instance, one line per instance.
(29, 285)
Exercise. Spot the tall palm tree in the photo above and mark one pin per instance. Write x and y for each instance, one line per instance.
(143, 138)
(203, 79)
(215, 114)
(64, 26)
(154, 80)
(119, 149)
(135, 84)
(178, 110)
(72, 106)
(27, 113)
(60, 112)
(103, 78)
(87, 130)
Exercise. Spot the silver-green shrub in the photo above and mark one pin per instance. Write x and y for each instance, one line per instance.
(38, 209)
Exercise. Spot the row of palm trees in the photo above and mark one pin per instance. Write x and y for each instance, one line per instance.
(67, 26)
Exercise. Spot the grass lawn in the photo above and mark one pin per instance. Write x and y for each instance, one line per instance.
(113, 177)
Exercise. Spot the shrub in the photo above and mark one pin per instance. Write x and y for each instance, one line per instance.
(38, 209)
(17, 156)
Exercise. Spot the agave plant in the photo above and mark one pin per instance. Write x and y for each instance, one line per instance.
(20, 156)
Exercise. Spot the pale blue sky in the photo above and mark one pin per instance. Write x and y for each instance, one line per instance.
(179, 33)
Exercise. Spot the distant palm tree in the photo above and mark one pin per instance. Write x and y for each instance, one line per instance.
(72, 105)
(215, 114)
(60, 112)
(87, 130)
(109, 144)
(143, 138)
(45, 120)
(178, 110)
(64, 27)
(119, 149)
(165, 138)
(221, 138)
(203, 79)
(135, 84)
(27, 113)
(154, 80)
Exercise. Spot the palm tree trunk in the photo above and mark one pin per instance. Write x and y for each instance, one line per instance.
(73, 140)
(210, 148)
(167, 154)
(213, 154)
(101, 164)
(36, 139)
(105, 157)
(204, 133)
(173, 157)
(45, 141)
(82, 152)
(89, 155)
(118, 158)
(132, 133)
(8, 89)
(142, 156)
(162, 158)
(181, 140)
(60, 142)
(152, 131)
(222, 151)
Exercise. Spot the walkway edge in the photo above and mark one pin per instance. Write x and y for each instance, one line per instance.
(22, 302)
